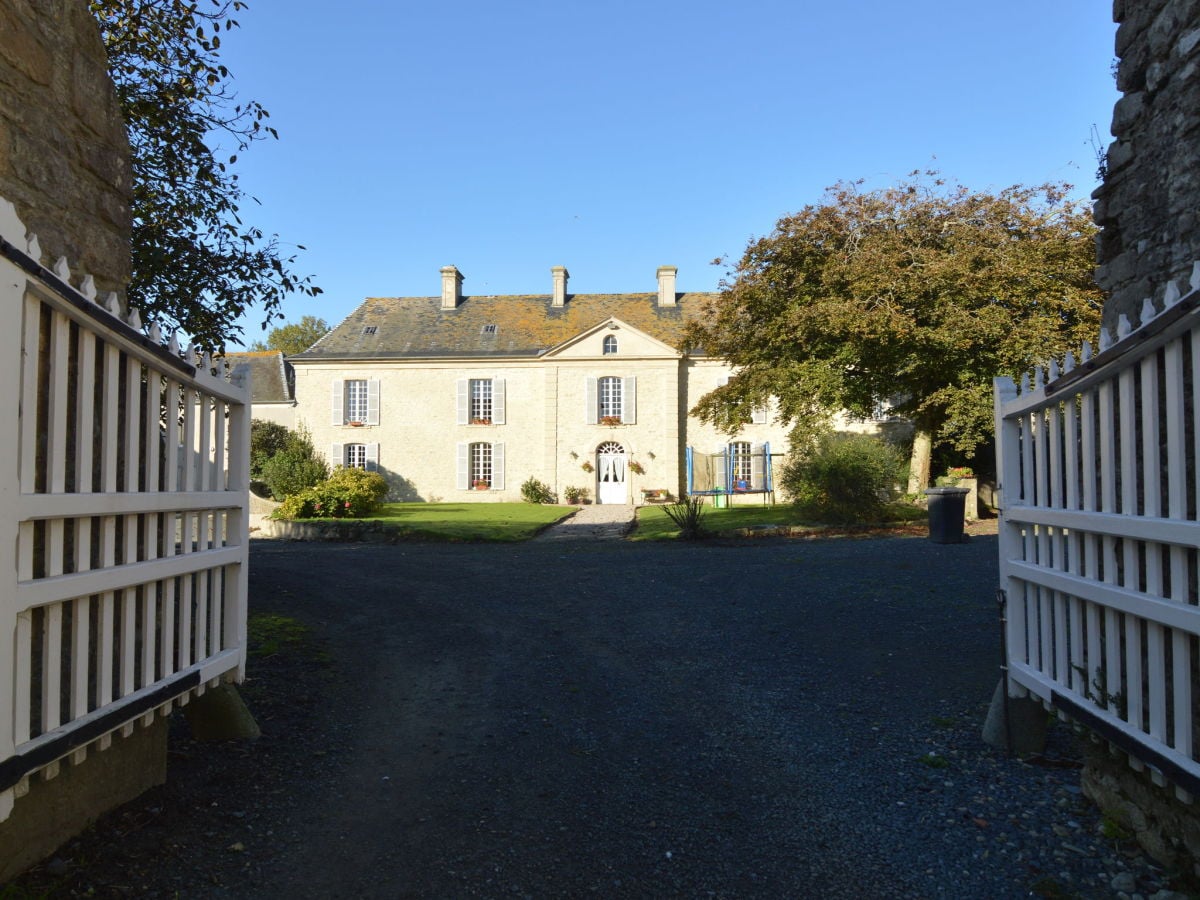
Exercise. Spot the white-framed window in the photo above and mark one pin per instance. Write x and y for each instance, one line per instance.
(480, 401)
(355, 456)
(355, 401)
(480, 466)
(610, 397)
(610, 400)
(610, 345)
(740, 464)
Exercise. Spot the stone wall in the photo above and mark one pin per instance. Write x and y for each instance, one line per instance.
(1148, 210)
(1149, 204)
(64, 155)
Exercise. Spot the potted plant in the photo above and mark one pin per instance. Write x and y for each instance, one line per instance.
(587, 466)
(481, 485)
(636, 468)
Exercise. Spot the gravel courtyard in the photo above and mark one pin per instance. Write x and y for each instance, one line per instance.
(753, 719)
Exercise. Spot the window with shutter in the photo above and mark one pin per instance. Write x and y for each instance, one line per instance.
(462, 403)
(497, 467)
(337, 455)
(372, 457)
(590, 402)
(463, 466)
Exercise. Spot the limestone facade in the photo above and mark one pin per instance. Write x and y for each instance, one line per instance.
(416, 434)
(1149, 205)
(64, 154)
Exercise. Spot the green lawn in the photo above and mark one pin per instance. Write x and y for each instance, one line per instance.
(653, 524)
(470, 521)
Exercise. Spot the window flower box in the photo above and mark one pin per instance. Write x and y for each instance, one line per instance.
(355, 424)
(610, 420)
(481, 485)
(477, 420)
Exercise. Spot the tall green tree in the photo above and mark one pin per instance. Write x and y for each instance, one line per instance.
(295, 337)
(921, 292)
(197, 266)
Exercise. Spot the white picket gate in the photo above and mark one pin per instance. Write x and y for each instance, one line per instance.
(123, 520)
(1099, 536)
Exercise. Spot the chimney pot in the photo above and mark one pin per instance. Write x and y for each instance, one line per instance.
(560, 275)
(666, 285)
(452, 280)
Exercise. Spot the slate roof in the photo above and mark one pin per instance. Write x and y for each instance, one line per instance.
(526, 325)
(272, 379)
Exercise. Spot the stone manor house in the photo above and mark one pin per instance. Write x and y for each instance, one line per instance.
(462, 398)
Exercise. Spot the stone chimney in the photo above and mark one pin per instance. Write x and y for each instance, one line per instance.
(560, 275)
(452, 280)
(666, 285)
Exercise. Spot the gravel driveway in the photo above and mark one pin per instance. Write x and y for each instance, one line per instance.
(759, 719)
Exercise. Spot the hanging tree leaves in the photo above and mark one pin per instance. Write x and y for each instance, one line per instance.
(196, 264)
(920, 292)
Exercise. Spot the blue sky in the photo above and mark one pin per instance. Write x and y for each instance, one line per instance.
(614, 137)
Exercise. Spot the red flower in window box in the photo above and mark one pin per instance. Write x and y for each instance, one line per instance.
(481, 485)
(610, 420)
(478, 420)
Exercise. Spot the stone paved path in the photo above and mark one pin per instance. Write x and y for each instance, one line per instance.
(596, 522)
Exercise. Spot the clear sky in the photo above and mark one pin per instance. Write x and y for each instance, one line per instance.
(615, 137)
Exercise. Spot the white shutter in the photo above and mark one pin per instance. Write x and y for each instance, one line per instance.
(497, 467)
(463, 454)
(590, 402)
(337, 456)
(758, 415)
(372, 457)
(337, 399)
(722, 380)
(629, 400)
(497, 401)
(463, 408)
(373, 402)
(757, 458)
(720, 465)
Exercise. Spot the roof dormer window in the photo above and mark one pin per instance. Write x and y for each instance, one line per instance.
(369, 329)
(489, 329)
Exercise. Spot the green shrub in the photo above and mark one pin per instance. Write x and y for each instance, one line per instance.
(266, 440)
(534, 491)
(349, 493)
(295, 468)
(844, 478)
(687, 513)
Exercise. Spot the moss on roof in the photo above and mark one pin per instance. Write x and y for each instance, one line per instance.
(525, 325)
(270, 377)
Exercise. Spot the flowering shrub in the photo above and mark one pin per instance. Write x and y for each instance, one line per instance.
(348, 493)
(960, 472)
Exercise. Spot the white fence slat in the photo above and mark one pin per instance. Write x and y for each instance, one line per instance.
(1113, 533)
(93, 526)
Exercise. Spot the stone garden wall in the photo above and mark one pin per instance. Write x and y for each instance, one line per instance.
(1149, 205)
(64, 156)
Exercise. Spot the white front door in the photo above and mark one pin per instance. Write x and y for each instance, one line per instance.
(610, 474)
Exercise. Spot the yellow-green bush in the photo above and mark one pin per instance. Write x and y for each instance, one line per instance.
(348, 493)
